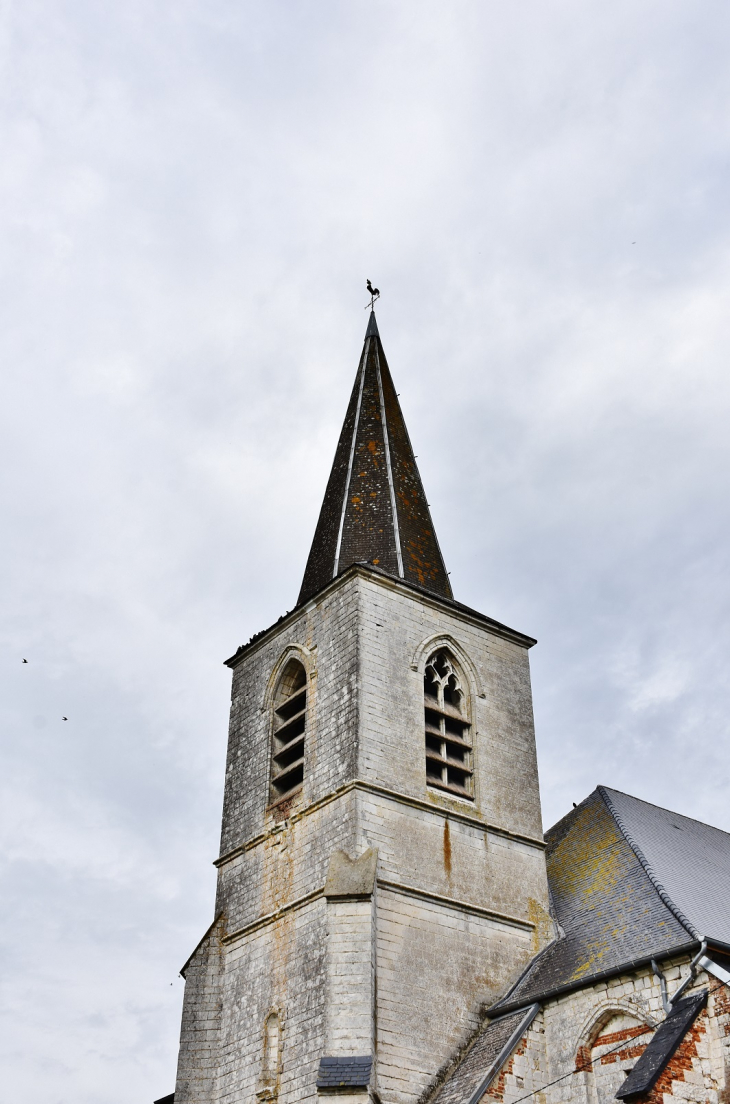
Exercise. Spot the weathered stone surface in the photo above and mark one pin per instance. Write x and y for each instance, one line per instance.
(580, 1047)
(348, 877)
(459, 903)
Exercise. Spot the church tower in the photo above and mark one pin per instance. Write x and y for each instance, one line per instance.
(381, 878)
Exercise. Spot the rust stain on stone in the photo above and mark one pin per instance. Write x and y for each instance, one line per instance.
(447, 849)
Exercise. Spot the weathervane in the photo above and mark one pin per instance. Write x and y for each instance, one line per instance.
(374, 294)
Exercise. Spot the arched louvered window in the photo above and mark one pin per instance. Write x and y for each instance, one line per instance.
(448, 731)
(290, 722)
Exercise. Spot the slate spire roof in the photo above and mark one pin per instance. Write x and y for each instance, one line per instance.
(375, 508)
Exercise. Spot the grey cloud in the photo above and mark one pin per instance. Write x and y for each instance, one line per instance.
(192, 197)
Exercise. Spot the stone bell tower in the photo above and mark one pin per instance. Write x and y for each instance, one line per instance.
(381, 876)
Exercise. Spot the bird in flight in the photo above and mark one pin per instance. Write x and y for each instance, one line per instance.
(25, 661)
(64, 718)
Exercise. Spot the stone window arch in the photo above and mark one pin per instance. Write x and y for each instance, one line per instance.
(612, 1045)
(448, 731)
(271, 1058)
(289, 730)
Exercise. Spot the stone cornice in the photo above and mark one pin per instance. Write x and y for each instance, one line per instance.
(395, 887)
(375, 574)
(391, 795)
(459, 905)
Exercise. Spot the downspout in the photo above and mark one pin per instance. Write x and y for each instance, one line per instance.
(667, 1001)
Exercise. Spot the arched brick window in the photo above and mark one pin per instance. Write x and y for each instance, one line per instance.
(290, 722)
(448, 731)
(616, 1041)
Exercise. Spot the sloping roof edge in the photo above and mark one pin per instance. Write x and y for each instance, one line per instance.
(662, 1046)
(344, 1071)
(197, 947)
(650, 873)
(503, 1009)
(470, 1072)
(505, 1052)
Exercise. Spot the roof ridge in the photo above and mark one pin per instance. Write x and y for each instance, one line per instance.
(663, 809)
(650, 872)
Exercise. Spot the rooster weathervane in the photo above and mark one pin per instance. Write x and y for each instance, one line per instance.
(374, 294)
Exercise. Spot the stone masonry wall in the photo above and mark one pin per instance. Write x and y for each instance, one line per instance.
(274, 949)
(435, 965)
(350, 976)
(199, 1057)
(282, 967)
(326, 636)
(461, 901)
(433, 850)
(394, 625)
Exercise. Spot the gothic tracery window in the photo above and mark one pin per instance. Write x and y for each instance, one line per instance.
(290, 722)
(448, 731)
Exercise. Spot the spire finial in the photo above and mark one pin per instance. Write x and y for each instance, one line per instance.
(374, 294)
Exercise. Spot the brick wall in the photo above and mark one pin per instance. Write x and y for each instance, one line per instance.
(580, 1047)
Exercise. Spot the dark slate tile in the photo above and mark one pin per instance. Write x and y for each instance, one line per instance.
(664, 1043)
(344, 1072)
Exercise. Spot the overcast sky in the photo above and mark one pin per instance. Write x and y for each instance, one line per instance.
(192, 194)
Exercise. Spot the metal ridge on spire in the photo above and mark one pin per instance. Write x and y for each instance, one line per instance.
(375, 509)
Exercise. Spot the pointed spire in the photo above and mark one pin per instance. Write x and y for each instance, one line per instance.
(372, 330)
(375, 508)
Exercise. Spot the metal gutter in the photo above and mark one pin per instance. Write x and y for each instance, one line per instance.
(498, 1010)
(667, 1001)
(711, 967)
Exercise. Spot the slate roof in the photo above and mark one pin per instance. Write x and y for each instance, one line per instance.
(486, 1055)
(628, 881)
(344, 1072)
(604, 901)
(664, 1043)
(374, 507)
(688, 859)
